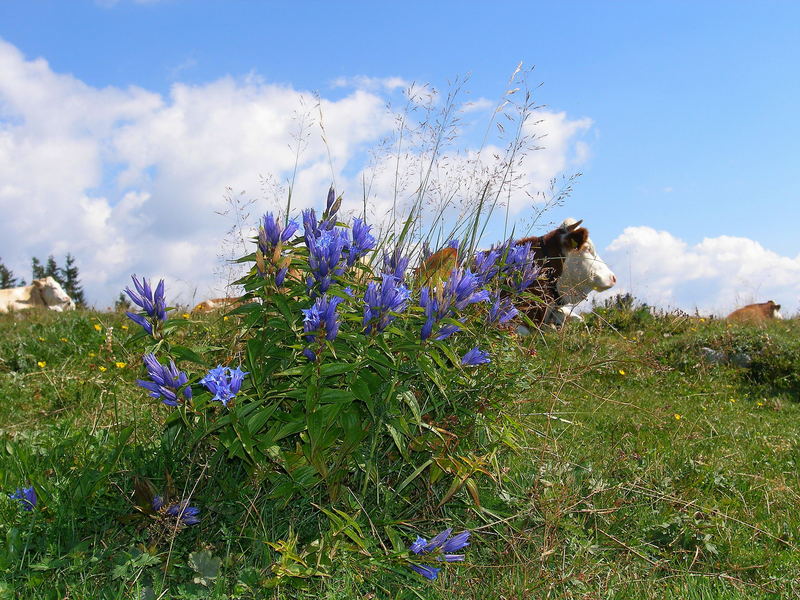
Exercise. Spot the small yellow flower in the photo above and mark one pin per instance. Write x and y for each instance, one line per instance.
(622, 372)
(125, 327)
(41, 339)
(733, 400)
(759, 403)
(702, 320)
(64, 340)
(97, 327)
(694, 328)
(120, 365)
(102, 369)
(677, 416)
(186, 315)
(42, 364)
(92, 354)
(225, 318)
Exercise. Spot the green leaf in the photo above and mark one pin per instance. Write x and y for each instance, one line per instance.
(338, 368)
(414, 475)
(398, 439)
(187, 354)
(205, 566)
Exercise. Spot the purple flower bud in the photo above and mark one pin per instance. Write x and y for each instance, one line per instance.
(475, 357)
(154, 305)
(165, 381)
(26, 496)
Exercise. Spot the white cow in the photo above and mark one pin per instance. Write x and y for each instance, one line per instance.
(46, 293)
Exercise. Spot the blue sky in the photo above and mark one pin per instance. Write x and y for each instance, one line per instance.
(687, 110)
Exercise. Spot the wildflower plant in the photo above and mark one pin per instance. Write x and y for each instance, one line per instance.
(441, 548)
(348, 376)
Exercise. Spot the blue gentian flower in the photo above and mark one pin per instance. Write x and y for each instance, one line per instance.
(486, 267)
(26, 497)
(475, 357)
(181, 512)
(153, 304)
(325, 257)
(273, 233)
(458, 292)
(166, 381)
(321, 319)
(395, 264)
(519, 266)
(502, 310)
(280, 276)
(380, 300)
(362, 242)
(271, 237)
(310, 227)
(463, 288)
(446, 331)
(442, 547)
(224, 383)
(330, 199)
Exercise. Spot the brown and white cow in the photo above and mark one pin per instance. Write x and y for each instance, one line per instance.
(44, 293)
(571, 270)
(215, 304)
(756, 313)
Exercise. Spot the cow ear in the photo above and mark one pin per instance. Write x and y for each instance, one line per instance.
(777, 307)
(38, 283)
(575, 239)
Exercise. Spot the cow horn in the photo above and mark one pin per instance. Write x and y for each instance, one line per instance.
(567, 227)
(574, 226)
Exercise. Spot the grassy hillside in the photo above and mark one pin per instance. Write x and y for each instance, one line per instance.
(642, 470)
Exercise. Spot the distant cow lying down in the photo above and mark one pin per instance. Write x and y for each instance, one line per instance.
(756, 313)
(44, 293)
(216, 304)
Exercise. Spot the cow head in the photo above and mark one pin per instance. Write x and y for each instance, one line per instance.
(583, 270)
(53, 295)
(775, 309)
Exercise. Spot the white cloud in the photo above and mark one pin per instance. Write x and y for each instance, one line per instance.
(480, 104)
(363, 82)
(714, 276)
(130, 181)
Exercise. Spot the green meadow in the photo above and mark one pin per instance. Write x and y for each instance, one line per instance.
(634, 468)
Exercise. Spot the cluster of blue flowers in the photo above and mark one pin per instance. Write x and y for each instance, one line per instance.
(321, 320)
(331, 249)
(26, 497)
(446, 300)
(165, 382)
(180, 512)
(153, 304)
(442, 548)
(224, 383)
(502, 309)
(382, 302)
(271, 237)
